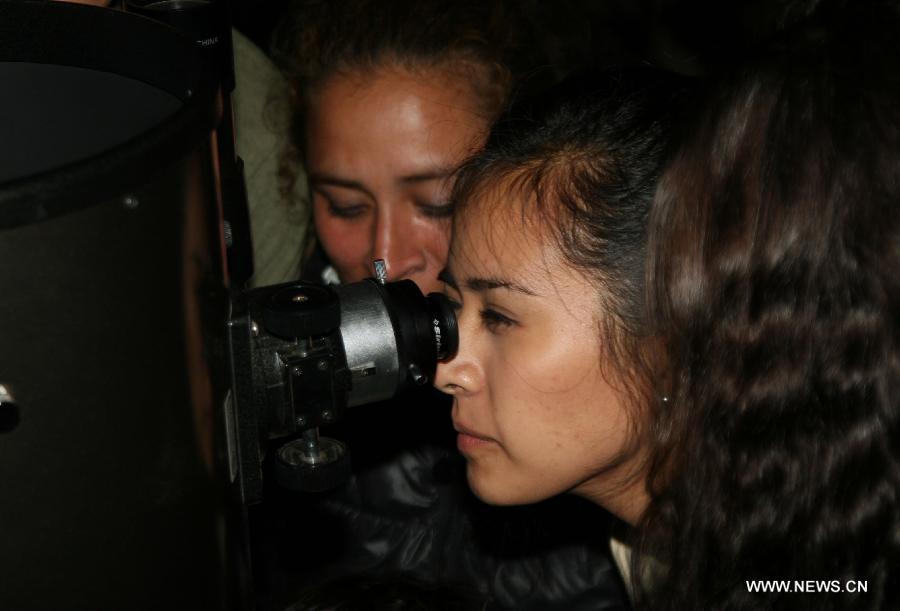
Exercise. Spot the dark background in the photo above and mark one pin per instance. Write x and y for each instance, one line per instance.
(689, 36)
(256, 18)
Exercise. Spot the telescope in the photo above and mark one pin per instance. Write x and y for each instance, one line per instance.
(142, 385)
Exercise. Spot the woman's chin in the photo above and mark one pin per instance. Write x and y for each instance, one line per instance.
(499, 491)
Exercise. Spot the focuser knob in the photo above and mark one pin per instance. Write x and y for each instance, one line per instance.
(312, 463)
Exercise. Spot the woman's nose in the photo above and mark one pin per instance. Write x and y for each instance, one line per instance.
(445, 380)
(396, 242)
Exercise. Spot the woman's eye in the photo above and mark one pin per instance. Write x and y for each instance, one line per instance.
(494, 321)
(345, 211)
(436, 210)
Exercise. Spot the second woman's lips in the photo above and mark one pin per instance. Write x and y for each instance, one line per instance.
(464, 430)
(469, 441)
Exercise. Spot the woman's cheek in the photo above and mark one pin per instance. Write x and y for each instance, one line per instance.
(555, 365)
(435, 238)
(345, 242)
(432, 237)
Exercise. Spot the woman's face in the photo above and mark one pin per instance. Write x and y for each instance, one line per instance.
(380, 150)
(535, 414)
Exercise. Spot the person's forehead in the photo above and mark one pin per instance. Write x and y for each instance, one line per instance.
(499, 230)
(389, 129)
(504, 205)
(436, 90)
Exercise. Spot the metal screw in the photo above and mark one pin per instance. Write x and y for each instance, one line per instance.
(322, 365)
(254, 329)
(380, 271)
(6, 395)
(131, 202)
(417, 375)
(327, 416)
(296, 371)
(301, 421)
(9, 411)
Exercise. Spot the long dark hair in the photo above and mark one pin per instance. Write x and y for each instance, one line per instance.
(775, 270)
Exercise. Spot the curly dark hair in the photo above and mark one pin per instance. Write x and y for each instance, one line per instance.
(775, 250)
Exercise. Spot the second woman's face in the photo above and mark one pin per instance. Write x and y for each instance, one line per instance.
(534, 408)
(380, 151)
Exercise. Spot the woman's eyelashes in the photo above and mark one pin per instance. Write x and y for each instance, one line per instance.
(494, 321)
(344, 211)
(351, 211)
(435, 210)
(491, 319)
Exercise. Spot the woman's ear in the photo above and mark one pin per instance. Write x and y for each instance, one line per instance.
(660, 390)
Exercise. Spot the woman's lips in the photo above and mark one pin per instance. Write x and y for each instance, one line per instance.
(469, 441)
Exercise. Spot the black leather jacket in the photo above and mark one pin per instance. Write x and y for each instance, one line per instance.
(408, 510)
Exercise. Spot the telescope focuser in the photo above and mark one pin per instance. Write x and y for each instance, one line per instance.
(313, 352)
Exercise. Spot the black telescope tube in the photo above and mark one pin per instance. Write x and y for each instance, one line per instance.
(208, 24)
(112, 308)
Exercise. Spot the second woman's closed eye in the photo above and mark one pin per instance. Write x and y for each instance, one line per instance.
(435, 209)
(346, 210)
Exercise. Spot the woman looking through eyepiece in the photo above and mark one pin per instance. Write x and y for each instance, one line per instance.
(546, 269)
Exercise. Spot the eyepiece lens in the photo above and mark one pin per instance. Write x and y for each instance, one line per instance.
(443, 321)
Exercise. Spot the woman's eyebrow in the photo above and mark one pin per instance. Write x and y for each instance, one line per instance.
(319, 178)
(436, 173)
(482, 284)
(486, 284)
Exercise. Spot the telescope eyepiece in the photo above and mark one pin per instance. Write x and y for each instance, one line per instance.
(443, 322)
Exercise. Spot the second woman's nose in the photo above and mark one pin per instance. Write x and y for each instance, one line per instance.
(396, 241)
